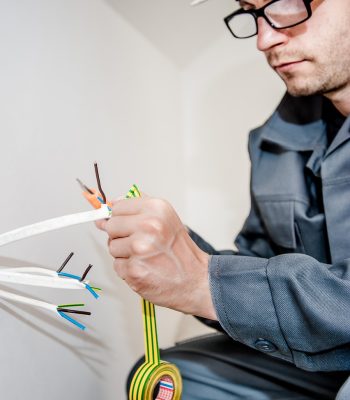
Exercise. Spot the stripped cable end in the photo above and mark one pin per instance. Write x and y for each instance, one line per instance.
(85, 273)
(99, 183)
(92, 291)
(71, 305)
(69, 275)
(73, 321)
(65, 262)
(84, 187)
(69, 311)
(63, 309)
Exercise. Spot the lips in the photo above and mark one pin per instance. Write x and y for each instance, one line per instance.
(287, 65)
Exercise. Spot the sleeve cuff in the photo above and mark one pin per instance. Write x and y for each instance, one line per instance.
(243, 302)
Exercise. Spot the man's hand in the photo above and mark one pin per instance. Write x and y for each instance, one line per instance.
(157, 258)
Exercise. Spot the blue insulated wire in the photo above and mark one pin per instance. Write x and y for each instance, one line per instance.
(73, 321)
(101, 201)
(91, 290)
(69, 275)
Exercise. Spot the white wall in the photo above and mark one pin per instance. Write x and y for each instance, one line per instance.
(227, 91)
(79, 84)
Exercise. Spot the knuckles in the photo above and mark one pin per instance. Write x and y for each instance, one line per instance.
(153, 226)
(136, 275)
(141, 247)
(156, 221)
(152, 230)
(159, 207)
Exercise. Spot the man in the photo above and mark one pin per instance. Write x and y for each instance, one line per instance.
(283, 299)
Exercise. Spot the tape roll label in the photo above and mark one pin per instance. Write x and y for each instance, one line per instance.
(165, 388)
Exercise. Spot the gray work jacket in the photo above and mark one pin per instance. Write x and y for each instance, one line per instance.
(287, 290)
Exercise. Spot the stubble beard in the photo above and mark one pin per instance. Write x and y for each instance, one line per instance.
(323, 81)
(325, 75)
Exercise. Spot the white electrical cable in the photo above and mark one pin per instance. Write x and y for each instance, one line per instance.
(43, 281)
(55, 223)
(34, 270)
(197, 2)
(27, 300)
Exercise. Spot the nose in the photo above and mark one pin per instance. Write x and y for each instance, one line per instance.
(269, 37)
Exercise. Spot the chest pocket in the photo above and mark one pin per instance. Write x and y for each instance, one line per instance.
(278, 218)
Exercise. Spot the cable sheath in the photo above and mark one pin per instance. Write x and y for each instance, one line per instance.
(53, 224)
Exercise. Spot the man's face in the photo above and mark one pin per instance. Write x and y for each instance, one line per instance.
(313, 57)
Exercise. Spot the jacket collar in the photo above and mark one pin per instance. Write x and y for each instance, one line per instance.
(297, 125)
(342, 136)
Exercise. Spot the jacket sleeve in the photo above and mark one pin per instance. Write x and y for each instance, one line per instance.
(288, 305)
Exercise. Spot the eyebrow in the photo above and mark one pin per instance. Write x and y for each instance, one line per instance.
(243, 3)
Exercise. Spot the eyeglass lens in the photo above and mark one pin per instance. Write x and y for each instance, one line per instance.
(281, 14)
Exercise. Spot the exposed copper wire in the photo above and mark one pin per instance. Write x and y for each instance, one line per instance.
(65, 262)
(99, 184)
(86, 272)
(67, 310)
(84, 187)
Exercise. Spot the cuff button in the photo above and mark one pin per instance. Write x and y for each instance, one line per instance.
(265, 345)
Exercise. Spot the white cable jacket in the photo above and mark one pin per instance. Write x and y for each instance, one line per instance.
(43, 281)
(197, 2)
(34, 270)
(27, 300)
(54, 223)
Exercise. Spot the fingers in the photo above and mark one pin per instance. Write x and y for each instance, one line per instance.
(120, 248)
(136, 246)
(120, 267)
(134, 273)
(127, 206)
(100, 224)
(119, 209)
(130, 206)
(121, 226)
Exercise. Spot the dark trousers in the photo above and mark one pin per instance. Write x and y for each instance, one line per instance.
(215, 367)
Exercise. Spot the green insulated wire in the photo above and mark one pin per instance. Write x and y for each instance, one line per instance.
(71, 305)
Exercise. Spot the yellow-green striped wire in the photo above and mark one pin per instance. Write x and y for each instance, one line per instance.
(155, 379)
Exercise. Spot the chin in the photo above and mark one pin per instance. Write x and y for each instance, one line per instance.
(300, 92)
(298, 87)
(301, 89)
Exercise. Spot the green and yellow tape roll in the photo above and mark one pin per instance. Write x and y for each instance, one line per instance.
(155, 379)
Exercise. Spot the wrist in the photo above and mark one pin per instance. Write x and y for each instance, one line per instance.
(202, 301)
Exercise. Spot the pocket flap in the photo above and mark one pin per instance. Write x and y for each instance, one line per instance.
(278, 218)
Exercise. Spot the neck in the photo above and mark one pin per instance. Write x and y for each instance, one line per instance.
(341, 100)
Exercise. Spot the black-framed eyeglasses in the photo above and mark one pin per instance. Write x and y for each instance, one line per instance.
(279, 14)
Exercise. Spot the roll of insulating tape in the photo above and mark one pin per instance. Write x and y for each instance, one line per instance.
(154, 379)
